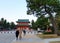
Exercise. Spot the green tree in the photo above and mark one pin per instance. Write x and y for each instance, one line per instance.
(42, 22)
(12, 25)
(4, 24)
(58, 21)
(43, 7)
(8, 26)
(2, 19)
(33, 26)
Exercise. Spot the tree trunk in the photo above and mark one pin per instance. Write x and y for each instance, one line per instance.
(52, 19)
(54, 24)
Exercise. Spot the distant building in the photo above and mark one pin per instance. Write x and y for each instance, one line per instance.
(23, 23)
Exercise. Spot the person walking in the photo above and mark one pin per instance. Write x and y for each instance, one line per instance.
(17, 34)
(24, 31)
(20, 33)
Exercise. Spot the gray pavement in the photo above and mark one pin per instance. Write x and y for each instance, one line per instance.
(29, 38)
(7, 37)
(32, 38)
(51, 39)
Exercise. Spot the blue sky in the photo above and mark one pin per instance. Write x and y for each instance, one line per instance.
(12, 10)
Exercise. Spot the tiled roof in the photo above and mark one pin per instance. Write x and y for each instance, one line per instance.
(23, 20)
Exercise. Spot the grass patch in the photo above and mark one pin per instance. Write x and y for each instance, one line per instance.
(47, 35)
(55, 42)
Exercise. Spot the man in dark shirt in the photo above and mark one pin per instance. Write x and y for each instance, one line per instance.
(17, 34)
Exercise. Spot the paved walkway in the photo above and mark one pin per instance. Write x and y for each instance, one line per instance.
(9, 37)
(30, 38)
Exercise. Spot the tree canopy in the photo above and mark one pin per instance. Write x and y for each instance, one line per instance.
(35, 6)
(4, 25)
(43, 7)
(42, 22)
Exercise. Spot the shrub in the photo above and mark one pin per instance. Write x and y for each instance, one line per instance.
(48, 33)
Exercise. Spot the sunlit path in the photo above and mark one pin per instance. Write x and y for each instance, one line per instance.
(32, 38)
(29, 38)
(9, 37)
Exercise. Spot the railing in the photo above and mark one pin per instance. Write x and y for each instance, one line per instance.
(3, 32)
